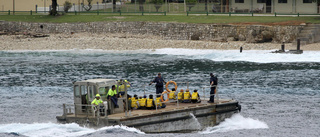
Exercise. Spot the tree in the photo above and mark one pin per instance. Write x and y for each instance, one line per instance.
(67, 6)
(141, 5)
(191, 3)
(114, 5)
(53, 11)
(157, 4)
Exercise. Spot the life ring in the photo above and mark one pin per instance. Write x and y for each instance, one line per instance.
(165, 92)
(175, 85)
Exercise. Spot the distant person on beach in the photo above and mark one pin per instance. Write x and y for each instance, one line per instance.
(159, 84)
(213, 84)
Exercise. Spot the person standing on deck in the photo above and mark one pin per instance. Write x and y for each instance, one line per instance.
(159, 84)
(213, 84)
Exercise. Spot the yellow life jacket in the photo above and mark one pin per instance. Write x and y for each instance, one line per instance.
(158, 101)
(149, 103)
(194, 95)
(142, 102)
(186, 95)
(134, 103)
(172, 95)
(180, 95)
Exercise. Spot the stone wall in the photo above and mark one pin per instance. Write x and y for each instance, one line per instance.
(176, 31)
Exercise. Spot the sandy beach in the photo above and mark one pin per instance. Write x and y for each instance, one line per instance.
(127, 42)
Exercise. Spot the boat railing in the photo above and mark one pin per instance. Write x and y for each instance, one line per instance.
(83, 110)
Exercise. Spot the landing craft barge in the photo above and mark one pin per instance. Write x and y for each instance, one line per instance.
(176, 117)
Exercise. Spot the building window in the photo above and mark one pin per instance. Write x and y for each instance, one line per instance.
(282, 1)
(239, 1)
(307, 1)
(261, 1)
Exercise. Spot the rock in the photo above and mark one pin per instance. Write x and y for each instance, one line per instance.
(231, 39)
(219, 39)
(195, 36)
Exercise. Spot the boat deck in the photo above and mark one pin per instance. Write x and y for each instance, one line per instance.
(169, 107)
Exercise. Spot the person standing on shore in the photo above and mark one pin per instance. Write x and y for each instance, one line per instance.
(213, 84)
(159, 84)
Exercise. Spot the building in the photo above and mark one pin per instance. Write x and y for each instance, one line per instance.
(270, 6)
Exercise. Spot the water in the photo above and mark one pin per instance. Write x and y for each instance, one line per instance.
(279, 93)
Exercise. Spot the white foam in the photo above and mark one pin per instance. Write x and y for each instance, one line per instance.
(260, 56)
(55, 130)
(236, 122)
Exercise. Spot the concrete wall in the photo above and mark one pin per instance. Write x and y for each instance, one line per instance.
(27, 5)
(176, 31)
(310, 8)
(283, 7)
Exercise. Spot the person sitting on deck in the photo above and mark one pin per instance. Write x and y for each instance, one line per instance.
(159, 103)
(150, 103)
(186, 96)
(172, 94)
(142, 102)
(180, 95)
(195, 98)
(96, 102)
(134, 102)
(112, 95)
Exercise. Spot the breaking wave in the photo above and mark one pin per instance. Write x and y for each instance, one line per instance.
(58, 130)
(236, 122)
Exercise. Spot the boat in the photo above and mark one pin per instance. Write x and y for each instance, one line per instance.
(176, 117)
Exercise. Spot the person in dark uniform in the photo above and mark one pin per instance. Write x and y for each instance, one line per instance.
(159, 84)
(214, 83)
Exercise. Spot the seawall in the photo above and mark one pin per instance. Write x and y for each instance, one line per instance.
(170, 31)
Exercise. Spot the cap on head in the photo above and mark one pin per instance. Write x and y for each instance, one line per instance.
(195, 90)
(211, 74)
(113, 86)
(181, 90)
(187, 90)
(145, 96)
(97, 95)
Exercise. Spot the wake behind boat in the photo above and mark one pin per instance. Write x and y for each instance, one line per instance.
(176, 117)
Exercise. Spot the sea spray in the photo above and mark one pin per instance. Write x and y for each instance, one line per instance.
(195, 122)
(236, 122)
(57, 130)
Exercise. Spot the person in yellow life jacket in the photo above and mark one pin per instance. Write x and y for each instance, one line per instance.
(112, 95)
(180, 95)
(172, 94)
(187, 96)
(134, 102)
(159, 103)
(97, 101)
(121, 86)
(142, 102)
(195, 98)
(150, 103)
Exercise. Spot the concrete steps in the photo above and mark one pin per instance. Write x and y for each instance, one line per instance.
(309, 34)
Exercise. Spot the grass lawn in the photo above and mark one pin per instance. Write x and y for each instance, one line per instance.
(92, 17)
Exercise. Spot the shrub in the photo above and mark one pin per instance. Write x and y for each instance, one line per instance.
(67, 6)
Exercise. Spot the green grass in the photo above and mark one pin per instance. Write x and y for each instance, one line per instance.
(92, 17)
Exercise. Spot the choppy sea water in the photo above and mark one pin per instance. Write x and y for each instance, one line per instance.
(279, 93)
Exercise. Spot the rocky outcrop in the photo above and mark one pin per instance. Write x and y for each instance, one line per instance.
(169, 31)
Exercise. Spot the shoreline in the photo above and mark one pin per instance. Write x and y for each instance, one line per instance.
(120, 42)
